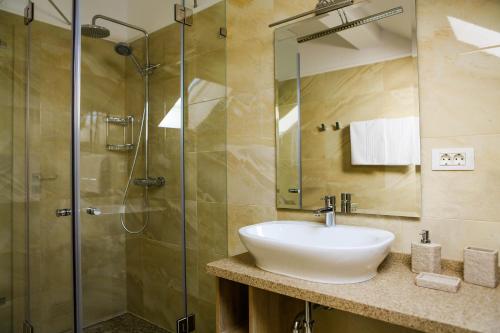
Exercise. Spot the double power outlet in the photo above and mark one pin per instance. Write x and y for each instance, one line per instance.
(453, 159)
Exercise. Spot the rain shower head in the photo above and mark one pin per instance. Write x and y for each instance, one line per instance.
(95, 31)
(349, 25)
(123, 49)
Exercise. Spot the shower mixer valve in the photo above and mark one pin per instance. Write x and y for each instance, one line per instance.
(150, 182)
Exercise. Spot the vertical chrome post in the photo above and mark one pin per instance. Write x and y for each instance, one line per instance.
(146, 126)
(27, 175)
(182, 174)
(75, 170)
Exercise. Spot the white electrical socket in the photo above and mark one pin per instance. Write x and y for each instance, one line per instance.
(459, 159)
(445, 159)
(454, 159)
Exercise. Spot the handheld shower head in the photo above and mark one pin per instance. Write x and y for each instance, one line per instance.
(123, 49)
(95, 31)
(126, 50)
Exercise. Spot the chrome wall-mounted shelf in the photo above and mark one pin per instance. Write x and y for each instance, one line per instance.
(127, 123)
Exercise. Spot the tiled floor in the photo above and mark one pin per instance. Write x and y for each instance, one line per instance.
(126, 323)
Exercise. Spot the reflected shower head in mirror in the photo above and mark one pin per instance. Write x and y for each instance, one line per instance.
(352, 24)
(95, 31)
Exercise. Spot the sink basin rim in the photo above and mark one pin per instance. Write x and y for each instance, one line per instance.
(244, 231)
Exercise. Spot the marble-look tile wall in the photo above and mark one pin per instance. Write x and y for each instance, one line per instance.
(154, 258)
(382, 90)
(458, 106)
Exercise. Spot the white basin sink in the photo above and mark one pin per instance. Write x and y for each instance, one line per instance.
(311, 251)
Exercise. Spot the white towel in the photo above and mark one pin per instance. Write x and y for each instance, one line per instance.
(393, 141)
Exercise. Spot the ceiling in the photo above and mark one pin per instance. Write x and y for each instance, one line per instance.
(386, 39)
(149, 14)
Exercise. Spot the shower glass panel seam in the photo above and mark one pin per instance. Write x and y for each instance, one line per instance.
(182, 166)
(27, 183)
(75, 170)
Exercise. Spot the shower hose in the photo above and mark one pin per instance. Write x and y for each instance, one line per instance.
(129, 181)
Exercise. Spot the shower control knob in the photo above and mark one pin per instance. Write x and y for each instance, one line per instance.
(93, 211)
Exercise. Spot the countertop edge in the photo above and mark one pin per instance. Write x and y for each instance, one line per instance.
(343, 304)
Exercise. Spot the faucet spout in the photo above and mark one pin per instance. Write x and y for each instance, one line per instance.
(330, 219)
(328, 210)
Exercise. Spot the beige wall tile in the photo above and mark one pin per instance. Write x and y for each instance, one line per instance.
(456, 89)
(243, 215)
(482, 234)
(454, 195)
(104, 284)
(249, 18)
(134, 255)
(206, 121)
(251, 175)
(212, 177)
(248, 116)
(212, 229)
(162, 284)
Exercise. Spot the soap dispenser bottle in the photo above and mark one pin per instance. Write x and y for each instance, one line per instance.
(425, 256)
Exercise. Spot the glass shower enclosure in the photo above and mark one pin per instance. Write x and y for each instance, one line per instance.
(113, 159)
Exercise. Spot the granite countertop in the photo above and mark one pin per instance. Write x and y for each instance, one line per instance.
(391, 296)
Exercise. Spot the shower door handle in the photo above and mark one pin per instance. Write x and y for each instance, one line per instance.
(63, 212)
(93, 211)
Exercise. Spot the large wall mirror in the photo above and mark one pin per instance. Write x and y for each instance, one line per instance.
(347, 106)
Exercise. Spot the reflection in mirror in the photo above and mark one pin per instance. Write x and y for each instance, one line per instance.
(347, 110)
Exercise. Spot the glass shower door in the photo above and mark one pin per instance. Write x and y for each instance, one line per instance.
(133, 275)
(205, 156)
(49, 169)
(12, 64)
(36, 285)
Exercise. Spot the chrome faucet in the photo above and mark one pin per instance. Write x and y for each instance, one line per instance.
(328, 210)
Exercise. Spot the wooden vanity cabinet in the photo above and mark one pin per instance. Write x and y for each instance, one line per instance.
(244, 309)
